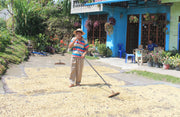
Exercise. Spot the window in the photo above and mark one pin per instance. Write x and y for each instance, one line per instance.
(98, 32)
(154, 30)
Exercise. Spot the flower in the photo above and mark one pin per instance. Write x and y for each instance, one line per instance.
(77, 24)
(65, 44)
(61, 42)
(96, 24)
(152, 17)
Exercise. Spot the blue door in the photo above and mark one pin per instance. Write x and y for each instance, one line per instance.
(178, 37)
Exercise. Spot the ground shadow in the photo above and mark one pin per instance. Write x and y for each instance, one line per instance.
(95, 85)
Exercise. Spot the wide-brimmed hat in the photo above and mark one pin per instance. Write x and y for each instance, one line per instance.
(78, 30)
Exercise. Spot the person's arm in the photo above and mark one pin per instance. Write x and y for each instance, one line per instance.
(86, 50)
(72, 43)
(84, 54)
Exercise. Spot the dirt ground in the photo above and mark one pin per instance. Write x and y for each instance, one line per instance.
(40, 89)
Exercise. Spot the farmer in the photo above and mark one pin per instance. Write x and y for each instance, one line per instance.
(80, 46)
(151, 45)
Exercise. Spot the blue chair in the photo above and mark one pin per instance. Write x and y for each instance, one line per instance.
(130, 55)
(120, 50)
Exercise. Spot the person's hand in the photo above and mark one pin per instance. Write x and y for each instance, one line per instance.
(76, 38)
(83, 56)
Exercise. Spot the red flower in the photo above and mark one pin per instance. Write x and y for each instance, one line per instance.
(61, 41)
(50, 37)
(132, 18)
(61, 45)
(65, 44)
(152, 17)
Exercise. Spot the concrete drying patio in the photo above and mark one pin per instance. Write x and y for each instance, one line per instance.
(39, 88)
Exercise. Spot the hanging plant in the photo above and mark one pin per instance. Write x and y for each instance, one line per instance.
(146, 16)
(77, 24)
(109, 28)
(167, 22)
(81, 1)
(165, 30)
(154, 17)
(133, 19)
(112, 20)
(96, 24)
(88, 24)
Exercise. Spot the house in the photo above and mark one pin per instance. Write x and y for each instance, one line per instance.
(174, 23)
(135, 22)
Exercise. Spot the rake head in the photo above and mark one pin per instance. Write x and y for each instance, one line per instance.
(114, 94)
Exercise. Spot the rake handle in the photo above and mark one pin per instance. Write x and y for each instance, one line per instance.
(97, 73)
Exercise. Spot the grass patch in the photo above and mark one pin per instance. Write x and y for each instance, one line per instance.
(88, 57)
(91, 57)
(157, 76)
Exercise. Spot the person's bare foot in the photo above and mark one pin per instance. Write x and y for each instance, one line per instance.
(78, 85)
(72, 85)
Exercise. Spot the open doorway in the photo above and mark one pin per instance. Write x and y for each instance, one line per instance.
(132, 35)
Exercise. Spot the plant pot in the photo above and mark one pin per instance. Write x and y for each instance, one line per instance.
(62, 53)
(154, 64)
(150, 64)
(166, 66)
(177, 68)
(157, 65)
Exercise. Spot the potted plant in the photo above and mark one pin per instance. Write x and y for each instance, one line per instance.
(177, 62)
(77, 25)
(178, 67)
(150, 59)
(146, 16)
(133, 19)
(109, 28)
(112, 21)
(96, 24)
(63, 50)
(166, 63)
(88, 24)
(154, 17)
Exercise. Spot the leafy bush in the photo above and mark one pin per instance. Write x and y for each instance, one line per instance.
(28, 18)
(4, 40)
(10, 58)
(109, 52)
(41, 42)
(104, 51)
(2, 23)
(2, 69)
(3, 62)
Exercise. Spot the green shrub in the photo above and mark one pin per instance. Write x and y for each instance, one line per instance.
(5, 39)
(109, 52)
(104, 51)
(2, 23)
(2, 69)
(28, 18)
(10, 58)
(3, 62)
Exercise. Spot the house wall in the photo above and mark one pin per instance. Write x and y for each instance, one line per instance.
(120, 29)
(175, 13)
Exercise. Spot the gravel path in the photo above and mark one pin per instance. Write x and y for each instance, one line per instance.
(40, 88)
